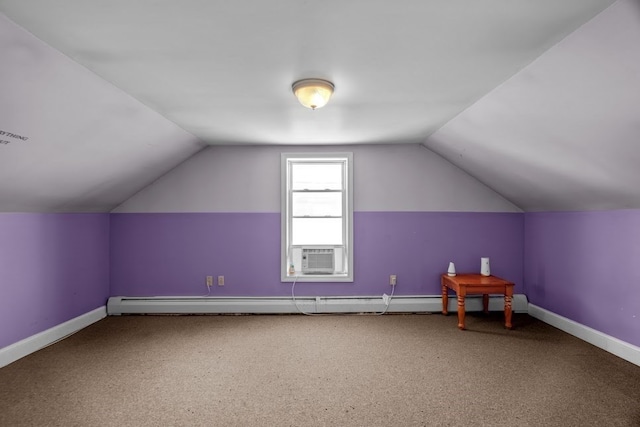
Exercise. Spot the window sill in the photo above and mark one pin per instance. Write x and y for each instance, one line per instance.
(319, 278)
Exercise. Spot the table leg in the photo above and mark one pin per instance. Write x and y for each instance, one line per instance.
(461, 310)
(485, 303)
(507, 311)
(445, 300)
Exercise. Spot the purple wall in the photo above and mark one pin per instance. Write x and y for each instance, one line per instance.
(584, 266)
(171, 253)
(53, 267)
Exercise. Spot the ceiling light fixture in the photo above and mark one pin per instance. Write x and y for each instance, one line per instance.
(313, 93)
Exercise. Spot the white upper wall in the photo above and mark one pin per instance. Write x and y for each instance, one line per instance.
(404, 177)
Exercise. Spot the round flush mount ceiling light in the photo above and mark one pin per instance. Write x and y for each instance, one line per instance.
(313, 93)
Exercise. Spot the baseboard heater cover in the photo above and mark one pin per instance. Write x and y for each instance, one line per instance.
(285, 305)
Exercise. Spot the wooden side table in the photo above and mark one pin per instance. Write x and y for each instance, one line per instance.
(466, 284)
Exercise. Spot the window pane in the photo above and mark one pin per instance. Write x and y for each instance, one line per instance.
(316, 176)
(316, 231)
(317, 204)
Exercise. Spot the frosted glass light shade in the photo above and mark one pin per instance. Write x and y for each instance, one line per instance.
(313, 93)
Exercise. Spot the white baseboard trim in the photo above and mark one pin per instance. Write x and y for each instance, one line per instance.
(284, 305)
(622, 349)
(45, 338)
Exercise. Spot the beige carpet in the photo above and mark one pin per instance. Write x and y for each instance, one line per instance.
(293, 370)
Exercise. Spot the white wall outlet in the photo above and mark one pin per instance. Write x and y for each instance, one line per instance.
(209, 281)
(393, 280)
(220, 280)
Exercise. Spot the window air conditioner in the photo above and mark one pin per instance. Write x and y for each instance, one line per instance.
(318, 260)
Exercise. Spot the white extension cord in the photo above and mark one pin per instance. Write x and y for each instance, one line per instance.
(385, 298)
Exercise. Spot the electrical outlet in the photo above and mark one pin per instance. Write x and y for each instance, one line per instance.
(209, 281)
(393, 280)
(220, 280)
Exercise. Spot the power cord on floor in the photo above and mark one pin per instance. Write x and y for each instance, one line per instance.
(208, 291)
(387, 302)
(295, 302)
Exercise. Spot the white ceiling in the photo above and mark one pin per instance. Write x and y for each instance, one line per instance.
(466, 70)
(223, 70)
(564, 133)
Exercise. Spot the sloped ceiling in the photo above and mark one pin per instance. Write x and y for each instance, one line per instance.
(133, 88)
(70, 141)
(564, 133)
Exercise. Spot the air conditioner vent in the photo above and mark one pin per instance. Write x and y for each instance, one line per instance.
(318, 260)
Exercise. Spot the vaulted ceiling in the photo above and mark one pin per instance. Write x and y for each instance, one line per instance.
(536, 99)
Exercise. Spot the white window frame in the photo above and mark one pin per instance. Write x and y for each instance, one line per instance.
(286, 217)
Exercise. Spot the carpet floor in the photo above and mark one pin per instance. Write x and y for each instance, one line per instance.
(294, 370)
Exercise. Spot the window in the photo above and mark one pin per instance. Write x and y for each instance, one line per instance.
(317, 217)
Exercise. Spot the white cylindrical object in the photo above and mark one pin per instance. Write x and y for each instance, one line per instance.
(485, 270)
(452, 269)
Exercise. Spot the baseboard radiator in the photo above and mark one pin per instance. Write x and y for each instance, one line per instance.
(285, 305)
